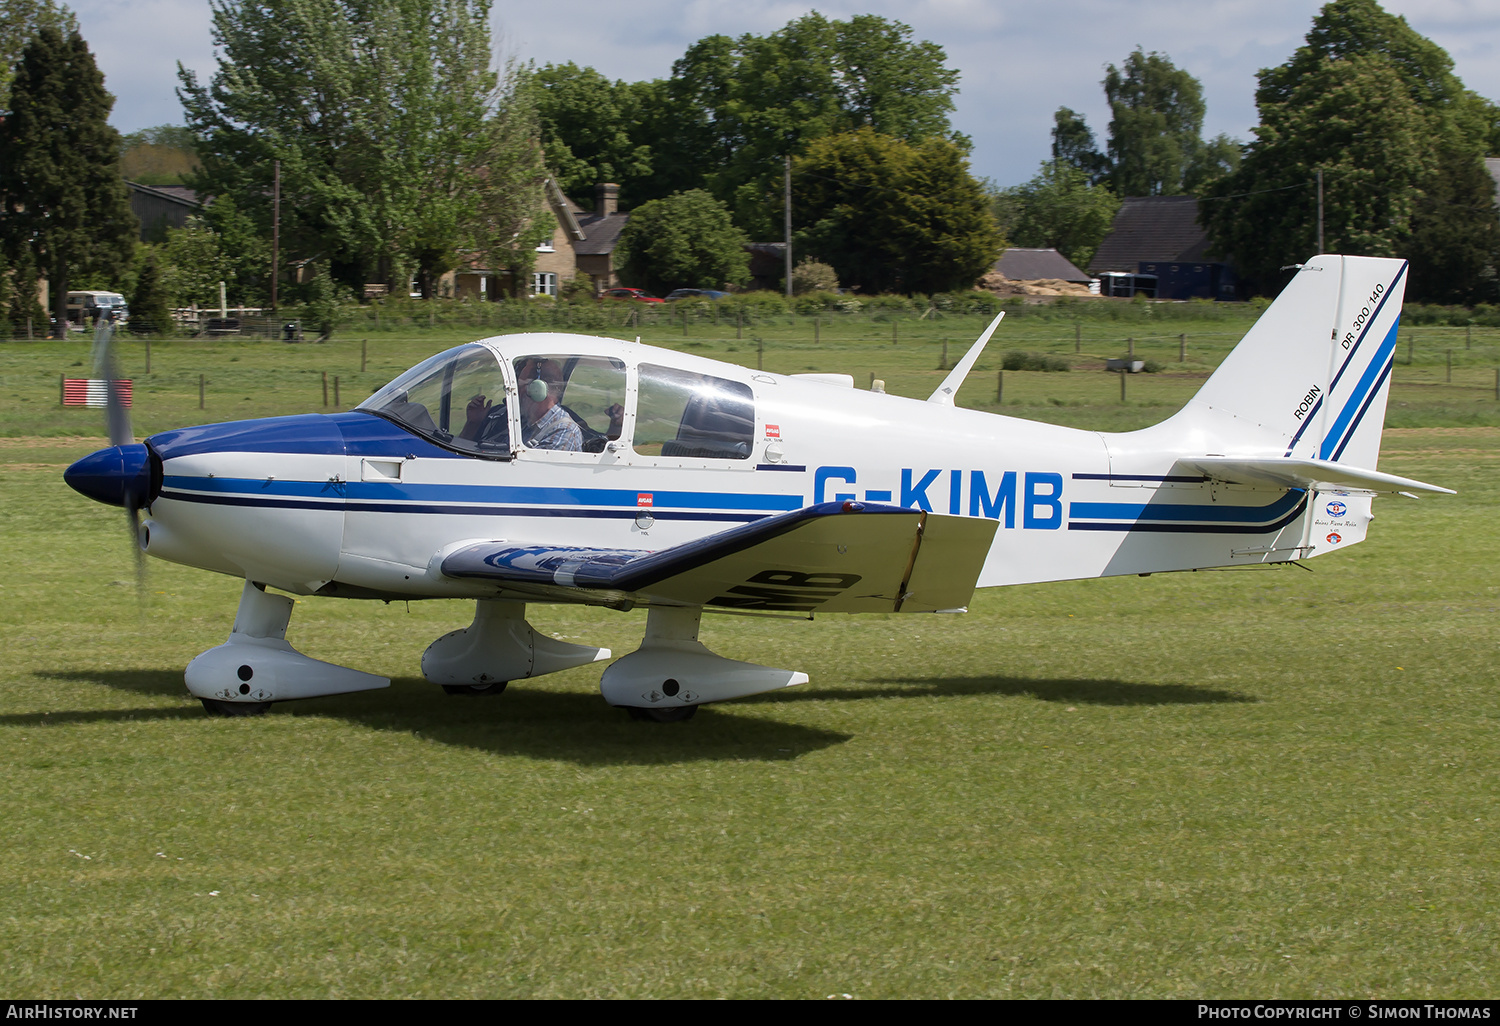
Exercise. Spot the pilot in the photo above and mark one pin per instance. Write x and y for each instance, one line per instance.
(545, 424)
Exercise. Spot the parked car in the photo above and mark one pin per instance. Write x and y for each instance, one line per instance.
(695, 294)
(84, 307)
(639, 295)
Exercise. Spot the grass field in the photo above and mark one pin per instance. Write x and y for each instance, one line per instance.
(1251, 783)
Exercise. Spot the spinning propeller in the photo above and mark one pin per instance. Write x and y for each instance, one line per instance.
(120, 475)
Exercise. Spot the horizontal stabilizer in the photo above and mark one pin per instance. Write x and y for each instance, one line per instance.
(1321, 475)
(842, 557)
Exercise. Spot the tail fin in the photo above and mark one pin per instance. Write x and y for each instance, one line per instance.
(1310, 379)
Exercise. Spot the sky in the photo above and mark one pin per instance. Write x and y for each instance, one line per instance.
(1019, 60)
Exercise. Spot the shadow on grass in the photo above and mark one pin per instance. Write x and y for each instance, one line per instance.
(1083, 692)
(536, 724)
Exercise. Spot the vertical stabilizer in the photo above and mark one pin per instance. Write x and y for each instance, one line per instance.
(1310, 379)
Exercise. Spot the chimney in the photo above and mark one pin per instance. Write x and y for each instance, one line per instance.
(606, 198)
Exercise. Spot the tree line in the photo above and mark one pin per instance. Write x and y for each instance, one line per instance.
(401, 151)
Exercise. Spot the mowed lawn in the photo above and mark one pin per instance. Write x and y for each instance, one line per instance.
(1251, 783)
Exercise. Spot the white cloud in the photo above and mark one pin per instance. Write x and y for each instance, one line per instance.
(1019, 60)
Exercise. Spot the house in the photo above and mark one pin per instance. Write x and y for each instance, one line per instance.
(1018, 264)
(1156, 246)
(582, 242)
(160, 207)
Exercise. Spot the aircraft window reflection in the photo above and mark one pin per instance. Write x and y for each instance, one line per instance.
(685, 414)
(570, 403)
(456, 398)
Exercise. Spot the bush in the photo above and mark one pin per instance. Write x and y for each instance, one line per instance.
(1018, 361)
(814, 276)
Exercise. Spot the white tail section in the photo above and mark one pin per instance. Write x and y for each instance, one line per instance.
(1310, 379)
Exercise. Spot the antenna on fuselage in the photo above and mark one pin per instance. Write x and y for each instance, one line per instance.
(949, 388)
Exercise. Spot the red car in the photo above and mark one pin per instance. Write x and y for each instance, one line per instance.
(639, 295)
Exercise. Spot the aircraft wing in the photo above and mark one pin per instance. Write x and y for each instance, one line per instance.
(836, 557)
(1322, 475)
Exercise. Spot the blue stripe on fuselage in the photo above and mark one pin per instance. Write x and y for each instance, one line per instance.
(449, 494)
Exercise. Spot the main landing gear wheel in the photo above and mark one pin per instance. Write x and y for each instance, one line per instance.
(676, 714)
(476, 689)
(220, 708)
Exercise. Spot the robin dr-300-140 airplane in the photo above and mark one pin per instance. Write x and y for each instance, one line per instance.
(565, 468)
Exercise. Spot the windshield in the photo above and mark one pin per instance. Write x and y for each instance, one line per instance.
(456, 399)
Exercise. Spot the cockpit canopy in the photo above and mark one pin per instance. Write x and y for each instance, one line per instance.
(462, 399)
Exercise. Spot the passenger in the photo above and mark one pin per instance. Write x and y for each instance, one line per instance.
(545, 425)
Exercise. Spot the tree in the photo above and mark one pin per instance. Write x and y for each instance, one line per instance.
(1156, 116)
(1376, 108)
(378, 111)
(1455, 236)
(1061, 210)
(890, 216)
(20, 20)
(150, 312)
(164, 155)
(195, 264)
(734, 109)
(1073, 145)
(687, 240)
(587, 123)
(64, 209)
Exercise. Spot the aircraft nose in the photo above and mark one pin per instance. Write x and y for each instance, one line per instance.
(117, 476)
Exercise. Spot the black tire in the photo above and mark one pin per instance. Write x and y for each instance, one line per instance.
(221, 708)
(675, 714)
(473, 690)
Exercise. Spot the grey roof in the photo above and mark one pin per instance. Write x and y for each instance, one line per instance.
(1152, 228)
(1037, 264)
(600, 234)
(171, 193)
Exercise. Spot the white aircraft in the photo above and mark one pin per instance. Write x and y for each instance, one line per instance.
(566, 468)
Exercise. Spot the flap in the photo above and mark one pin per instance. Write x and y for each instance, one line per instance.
(841, 557)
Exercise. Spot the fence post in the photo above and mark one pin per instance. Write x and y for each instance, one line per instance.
(201, 382)
(62, 388)
(363, 344)
(325, 388)
(335, 391)
(684, 321)
(944, 364)
(1122, 386)
(999, 387)
(739, 322)
(148, 356)
(760, 354)
(1182, 348)
(1130, 347)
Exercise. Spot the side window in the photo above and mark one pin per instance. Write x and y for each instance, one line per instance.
(457, 399)
(685, 414)
(570, 403)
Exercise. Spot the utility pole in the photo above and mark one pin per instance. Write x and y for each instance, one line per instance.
(275, 233)
(1320, 210)
(787, 217)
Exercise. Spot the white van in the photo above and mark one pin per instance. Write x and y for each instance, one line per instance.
(85, 307)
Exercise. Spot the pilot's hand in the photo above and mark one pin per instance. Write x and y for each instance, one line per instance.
(616, 420)
(478, 407)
